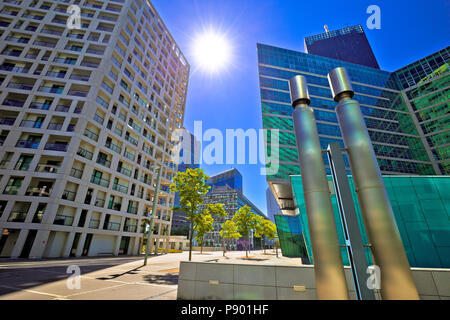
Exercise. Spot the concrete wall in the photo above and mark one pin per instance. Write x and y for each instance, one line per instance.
(268, 282)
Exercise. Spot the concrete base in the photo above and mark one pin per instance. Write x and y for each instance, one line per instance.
(226, 281)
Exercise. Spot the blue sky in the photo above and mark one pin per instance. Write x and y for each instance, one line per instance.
(409, 31)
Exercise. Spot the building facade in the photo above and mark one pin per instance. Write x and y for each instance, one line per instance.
(400, 145)
(231, 178)
(232, 200)
(347, 44)
(189, 159)
(86, 114)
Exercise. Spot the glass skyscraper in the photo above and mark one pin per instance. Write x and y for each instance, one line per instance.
(347, 44)
(407, 117)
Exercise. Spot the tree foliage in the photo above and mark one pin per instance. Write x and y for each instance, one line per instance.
(204, 224)
(191, 186)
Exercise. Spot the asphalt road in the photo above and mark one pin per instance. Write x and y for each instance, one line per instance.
(101, 278)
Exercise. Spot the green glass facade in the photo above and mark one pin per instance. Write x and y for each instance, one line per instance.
(290, 235)
(421, 206)
(426, 85)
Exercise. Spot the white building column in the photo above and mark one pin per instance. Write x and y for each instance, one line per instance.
(68, 244)
(117, 245)
(81, 245)
(39, 245)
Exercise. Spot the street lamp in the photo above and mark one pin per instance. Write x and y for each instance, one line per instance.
(155, 199)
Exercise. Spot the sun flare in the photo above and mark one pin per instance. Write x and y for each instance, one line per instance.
(211, 51)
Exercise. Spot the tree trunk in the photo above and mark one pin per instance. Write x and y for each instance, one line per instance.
(190, 240)
(201, 247)
(246, 248)
(223, 244)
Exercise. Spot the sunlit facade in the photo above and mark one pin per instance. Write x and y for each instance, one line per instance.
(86, 113)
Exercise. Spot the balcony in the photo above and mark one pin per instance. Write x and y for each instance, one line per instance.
(38, 192)
(115, 206)
(4, 164)
(68, 195)
(49, 168)
(113, 226)
(78, 93)
(56, 74)
(17, 217)
(31, 124)
(51, 89)
(27, 144)
(124, 171)
(120, 188)
(85, 153)
(130, 228)
(132, 140)
(132, 209)
(104, 162)
(129, 155)
(62, 108)
(39, 106)
(79, 77)
(100, 181)
(62, 147)
(63, 220)
(7, 121)
(76, 173)
(55, 126)
(13, 103)
(14, 69)
(89, 64)
(12, 190)
(21, 86)
(113, 147)
(99, 202)
(91, 135)
(94, 223)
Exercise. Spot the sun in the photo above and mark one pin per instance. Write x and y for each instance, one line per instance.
(211, 51)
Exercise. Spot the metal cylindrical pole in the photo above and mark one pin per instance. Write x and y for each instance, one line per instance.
(155, 199)
(396, 277)
(328, 266)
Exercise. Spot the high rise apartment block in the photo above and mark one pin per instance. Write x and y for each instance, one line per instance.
(86, 114)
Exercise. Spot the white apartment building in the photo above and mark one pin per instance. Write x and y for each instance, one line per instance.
(85, 116)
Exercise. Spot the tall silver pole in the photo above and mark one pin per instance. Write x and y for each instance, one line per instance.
(155, 200)
(384, 237)
(328, 266)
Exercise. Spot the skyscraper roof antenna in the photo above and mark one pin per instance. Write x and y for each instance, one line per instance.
(326, 28)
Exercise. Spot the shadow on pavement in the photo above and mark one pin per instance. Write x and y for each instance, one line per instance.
(167, 279)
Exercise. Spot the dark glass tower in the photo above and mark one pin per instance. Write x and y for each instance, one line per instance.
(347, 44)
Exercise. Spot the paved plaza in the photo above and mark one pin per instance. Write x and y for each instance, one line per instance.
(111, 278)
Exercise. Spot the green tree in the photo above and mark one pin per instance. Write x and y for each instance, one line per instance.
(265, 229)
(246, 222)
(218, 212)
(191, 186)
(203, 226)
(229, 232)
